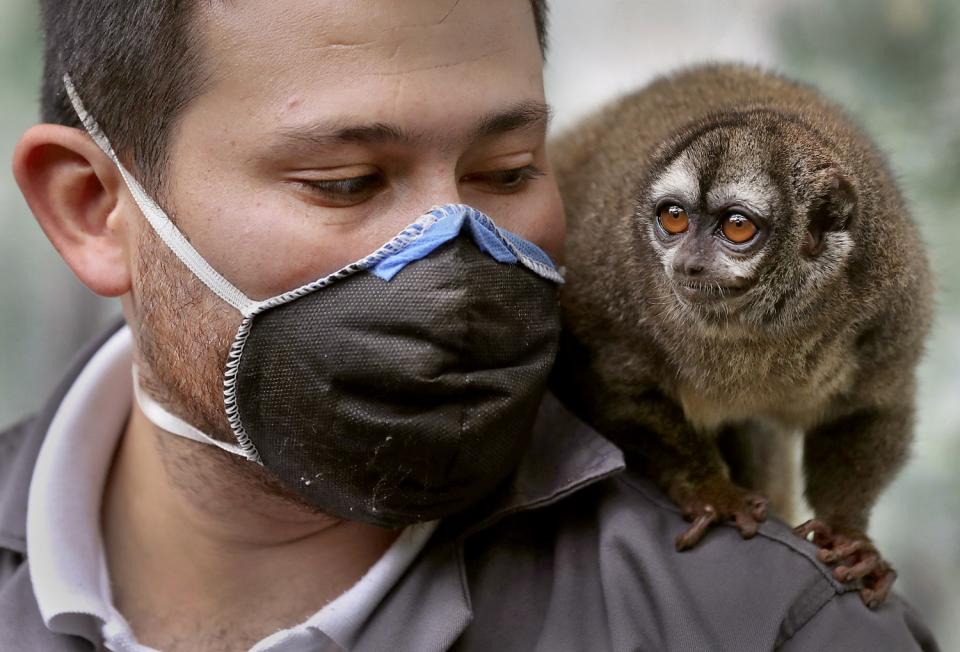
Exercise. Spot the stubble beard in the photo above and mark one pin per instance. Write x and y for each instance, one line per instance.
(183, 333)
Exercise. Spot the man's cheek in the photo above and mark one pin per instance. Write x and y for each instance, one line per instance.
(184, 335)
(551, 225)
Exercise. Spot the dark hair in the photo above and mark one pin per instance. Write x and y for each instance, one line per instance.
(136, 64)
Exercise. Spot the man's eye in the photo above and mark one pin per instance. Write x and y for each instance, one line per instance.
(346, 192)
(505, 181)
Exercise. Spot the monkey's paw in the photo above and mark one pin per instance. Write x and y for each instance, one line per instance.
(856, 558)
(717, 500)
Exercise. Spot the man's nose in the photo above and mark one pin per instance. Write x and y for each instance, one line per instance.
(436, 189)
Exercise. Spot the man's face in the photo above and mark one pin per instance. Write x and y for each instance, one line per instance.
(327, 127)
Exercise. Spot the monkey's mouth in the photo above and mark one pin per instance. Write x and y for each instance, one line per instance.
(702, 291)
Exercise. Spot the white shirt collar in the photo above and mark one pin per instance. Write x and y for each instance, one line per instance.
(64, 545)
(63, 509)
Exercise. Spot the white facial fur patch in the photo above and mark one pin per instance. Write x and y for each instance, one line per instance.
(741, 267)
(837, 247)
(756, 194)
(679, 180)
(667, 255)
(822, 269)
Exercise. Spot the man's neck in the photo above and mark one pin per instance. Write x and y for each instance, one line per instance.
(198, 551)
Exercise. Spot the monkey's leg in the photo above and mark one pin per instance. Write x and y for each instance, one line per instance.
(687, 466)
(847, 463)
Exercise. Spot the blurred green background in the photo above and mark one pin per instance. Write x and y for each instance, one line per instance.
(895, 64)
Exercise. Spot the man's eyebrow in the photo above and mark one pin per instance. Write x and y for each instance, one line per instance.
(326, 134)
(519, 116)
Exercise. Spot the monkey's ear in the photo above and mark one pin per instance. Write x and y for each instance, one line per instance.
(832, 210)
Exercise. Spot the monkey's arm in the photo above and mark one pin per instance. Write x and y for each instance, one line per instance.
(851, 459)
(686, 465)
(847, 463)
(854, 454)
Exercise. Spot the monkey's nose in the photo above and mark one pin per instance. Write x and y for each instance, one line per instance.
(687, 265)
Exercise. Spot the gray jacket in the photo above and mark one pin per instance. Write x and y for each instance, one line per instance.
(576, 554)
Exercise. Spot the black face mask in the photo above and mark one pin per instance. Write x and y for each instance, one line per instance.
(400, 401)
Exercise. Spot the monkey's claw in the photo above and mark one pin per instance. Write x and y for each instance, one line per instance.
(715, 501)
(856, 559)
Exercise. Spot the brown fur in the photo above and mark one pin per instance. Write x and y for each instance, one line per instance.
(823, 344)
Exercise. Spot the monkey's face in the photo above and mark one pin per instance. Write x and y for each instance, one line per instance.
(748, 220)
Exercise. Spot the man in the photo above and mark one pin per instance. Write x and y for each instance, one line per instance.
(286, 140)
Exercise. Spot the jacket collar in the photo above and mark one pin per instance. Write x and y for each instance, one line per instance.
(565, 456)
(15, 488)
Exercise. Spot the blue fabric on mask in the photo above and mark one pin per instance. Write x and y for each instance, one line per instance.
(500, 244)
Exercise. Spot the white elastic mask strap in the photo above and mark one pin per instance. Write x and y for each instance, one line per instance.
(168, 232)
(161, 418)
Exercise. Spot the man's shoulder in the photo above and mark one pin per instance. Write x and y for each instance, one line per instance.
(632, 503)
(770, 585)
(601, 566)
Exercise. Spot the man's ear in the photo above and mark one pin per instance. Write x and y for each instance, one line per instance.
(74, 191)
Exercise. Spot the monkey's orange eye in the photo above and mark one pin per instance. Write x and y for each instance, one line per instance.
(737, 228)
(673, 219)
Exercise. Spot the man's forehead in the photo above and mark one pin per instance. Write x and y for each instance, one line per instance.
(375, 37)
(419, 65)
